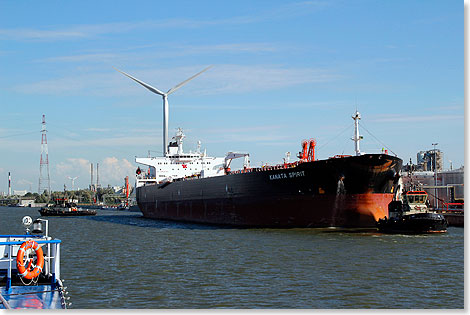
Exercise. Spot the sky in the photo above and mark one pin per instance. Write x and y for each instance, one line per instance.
(283, 71)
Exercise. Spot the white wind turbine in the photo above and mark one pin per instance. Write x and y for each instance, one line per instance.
(73, 180)
(165, 101)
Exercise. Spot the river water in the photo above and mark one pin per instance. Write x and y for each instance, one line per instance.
(121, 260)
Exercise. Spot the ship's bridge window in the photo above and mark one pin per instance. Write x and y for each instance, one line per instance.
(416, 199)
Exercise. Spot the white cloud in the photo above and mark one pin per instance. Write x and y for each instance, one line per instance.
(163, 51)
(92, 30)
(220, 79)
(242, 78)
(73, 166)
(111, 171)
(24, 182)
(98, 129)
(414, 118)
(114, 170)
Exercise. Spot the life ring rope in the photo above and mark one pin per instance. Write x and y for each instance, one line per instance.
(24, 271)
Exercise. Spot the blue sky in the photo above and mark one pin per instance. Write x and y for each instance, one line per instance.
(283, 71)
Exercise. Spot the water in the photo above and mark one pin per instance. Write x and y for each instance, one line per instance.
(121, 260)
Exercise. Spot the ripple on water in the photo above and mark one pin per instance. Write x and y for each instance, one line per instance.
(122, 260)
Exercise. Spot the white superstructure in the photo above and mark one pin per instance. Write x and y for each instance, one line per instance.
(178, 164)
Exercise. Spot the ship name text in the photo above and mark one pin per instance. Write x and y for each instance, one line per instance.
(287, 175)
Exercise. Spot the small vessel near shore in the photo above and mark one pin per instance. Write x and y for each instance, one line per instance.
(411, 215)
(30, 269)
(62, 207)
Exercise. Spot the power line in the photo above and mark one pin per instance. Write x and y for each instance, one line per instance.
(19, 134)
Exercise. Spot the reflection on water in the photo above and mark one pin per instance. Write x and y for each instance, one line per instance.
(139, 220)
(122, 260)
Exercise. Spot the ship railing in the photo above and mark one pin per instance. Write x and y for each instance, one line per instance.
(267, 168)
(145, 176)
(339, 156)
(51, 255)
(453, 207)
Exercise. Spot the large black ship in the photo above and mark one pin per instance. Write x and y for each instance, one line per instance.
(346, 192)
(343, 191)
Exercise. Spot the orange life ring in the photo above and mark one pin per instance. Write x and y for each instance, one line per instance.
(22, 269)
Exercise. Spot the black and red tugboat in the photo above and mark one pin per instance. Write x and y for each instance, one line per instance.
(63, 207)
(411, 215)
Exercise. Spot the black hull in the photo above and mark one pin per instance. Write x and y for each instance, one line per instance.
(344, 192)
(414, 224)
(455, 219)
(63, 213)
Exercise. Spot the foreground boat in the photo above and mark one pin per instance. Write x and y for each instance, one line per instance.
(30, 270)
(412, 216)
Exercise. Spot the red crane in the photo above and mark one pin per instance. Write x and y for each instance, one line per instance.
(308, 151)
(311, 150)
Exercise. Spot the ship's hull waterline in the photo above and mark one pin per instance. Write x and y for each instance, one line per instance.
(344, 192)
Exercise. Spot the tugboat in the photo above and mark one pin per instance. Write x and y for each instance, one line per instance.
(30, 269)
(62, 207)
(411, 215)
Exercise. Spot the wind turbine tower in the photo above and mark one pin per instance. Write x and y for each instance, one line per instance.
(97, 176)
(73, 181)
(165, 101)
(9, 184)
(44, 177)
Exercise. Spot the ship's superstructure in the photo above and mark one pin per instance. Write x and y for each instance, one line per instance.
(177, 164)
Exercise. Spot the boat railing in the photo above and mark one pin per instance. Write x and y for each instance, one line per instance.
(266, 168)
(51, 255)
(453, 207)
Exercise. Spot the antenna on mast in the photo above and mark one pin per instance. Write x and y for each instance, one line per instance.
(165, 101)
(357, 137)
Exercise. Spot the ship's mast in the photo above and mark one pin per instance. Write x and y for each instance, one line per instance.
(179, 140)
(357, 137)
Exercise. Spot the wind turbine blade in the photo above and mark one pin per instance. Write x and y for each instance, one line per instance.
(148, 86)
(173, 89)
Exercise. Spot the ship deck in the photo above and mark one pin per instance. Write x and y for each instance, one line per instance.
(31, 297)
